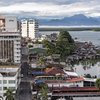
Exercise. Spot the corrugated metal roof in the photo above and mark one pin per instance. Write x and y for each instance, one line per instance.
(70, 73)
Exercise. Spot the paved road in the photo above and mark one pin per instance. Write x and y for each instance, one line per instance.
(24, 89)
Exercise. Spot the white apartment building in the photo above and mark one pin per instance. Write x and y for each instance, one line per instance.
(10, 40)
(8, 79)
(29, 28)
(24, 28)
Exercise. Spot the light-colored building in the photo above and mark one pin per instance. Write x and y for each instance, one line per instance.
(10, 47)
(29, 28)
(10, 39)
(24, 28)
(8, 24)
(8, 78)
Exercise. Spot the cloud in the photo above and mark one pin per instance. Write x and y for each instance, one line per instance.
(52, 8)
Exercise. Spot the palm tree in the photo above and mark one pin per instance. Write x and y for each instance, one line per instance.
(1, 98)
(9, 94)
(44, 92)
(98, 83)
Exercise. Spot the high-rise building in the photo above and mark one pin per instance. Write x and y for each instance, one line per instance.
(29, 28)
(10, 40)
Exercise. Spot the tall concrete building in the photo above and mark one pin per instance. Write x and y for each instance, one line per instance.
(29, 28)
(10, 40)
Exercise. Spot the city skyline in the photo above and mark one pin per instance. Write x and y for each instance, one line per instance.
(51, 8)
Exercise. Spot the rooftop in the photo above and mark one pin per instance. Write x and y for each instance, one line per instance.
(54, 71)
(37, 50)
(8, 69)
(69, 73)
(66, 81)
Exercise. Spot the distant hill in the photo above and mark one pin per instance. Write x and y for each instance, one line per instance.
(75, 20)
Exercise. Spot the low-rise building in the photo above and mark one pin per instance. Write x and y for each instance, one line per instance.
(9, 78)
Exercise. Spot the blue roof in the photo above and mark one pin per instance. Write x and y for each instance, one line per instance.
(39, 81)
(38, 72)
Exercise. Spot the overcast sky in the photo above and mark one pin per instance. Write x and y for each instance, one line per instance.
(51, 8)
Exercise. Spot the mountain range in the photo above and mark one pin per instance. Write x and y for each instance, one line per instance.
(75, 20)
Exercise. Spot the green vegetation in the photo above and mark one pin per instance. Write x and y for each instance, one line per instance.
(49, 46)
(42, 61)
(9, 94)
(44, 92)
(63, 46)
(71, 29)
(98, 83)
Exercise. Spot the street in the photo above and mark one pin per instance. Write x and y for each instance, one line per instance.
(24, 89)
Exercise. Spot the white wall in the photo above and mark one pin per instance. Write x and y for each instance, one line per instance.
(29, 28)
(11, 24)
(8, 85)
(80, 84)
(24, 28)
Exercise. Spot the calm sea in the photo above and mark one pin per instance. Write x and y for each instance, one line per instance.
(87, 36)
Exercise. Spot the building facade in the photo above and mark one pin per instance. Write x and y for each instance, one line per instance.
(29, 28)
(10, 47)
(8, 79)
(8, 24)
(10, 40)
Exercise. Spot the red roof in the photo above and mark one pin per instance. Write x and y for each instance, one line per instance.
(75, 88)
(78, 79)
(54, 71)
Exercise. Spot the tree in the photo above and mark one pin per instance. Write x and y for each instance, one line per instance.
(65, 36)
(42, 61)
(49, 46)
(44, 92)
(9, 94)
(98, 83)
(65, 44)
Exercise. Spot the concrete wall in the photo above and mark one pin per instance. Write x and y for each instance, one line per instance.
(11, 24)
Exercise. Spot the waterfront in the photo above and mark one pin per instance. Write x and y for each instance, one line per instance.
(87, 36)
(93, 70)
(84, 36)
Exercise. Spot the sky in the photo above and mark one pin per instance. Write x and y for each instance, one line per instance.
(50, 8)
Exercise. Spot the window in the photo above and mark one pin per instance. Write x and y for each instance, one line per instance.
(11, 81)
(4, 88)
(13, 88)
(11, 20)
(4, 81)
